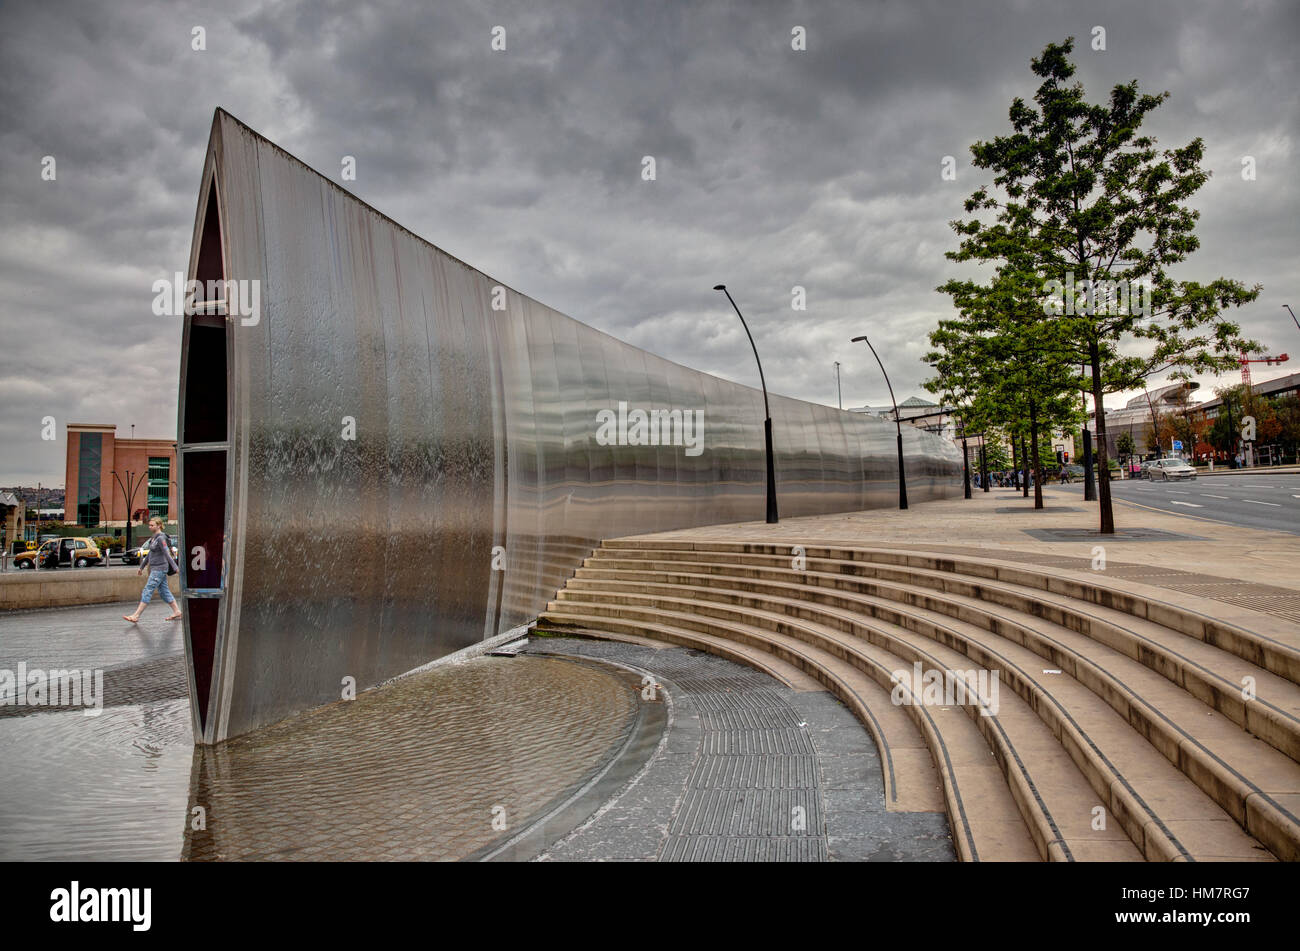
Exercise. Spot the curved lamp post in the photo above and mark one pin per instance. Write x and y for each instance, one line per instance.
(898, 426)
(128, 494)
(767, 420)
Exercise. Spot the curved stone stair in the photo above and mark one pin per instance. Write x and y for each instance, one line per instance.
(1120, 729)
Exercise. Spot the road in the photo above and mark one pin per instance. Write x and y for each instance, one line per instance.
(1257, 500)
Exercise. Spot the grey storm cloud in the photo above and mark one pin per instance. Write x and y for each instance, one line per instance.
(775, 168)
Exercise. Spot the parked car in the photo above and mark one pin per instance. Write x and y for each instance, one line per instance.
(61, 551)
(134, 556)
(1167, 469)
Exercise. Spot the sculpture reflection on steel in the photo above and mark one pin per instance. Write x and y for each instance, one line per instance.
(389, 456)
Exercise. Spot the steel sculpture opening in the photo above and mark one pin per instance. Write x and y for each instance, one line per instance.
(397, 456)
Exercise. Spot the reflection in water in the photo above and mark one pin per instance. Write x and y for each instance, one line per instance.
(90, 788)
(411, 771)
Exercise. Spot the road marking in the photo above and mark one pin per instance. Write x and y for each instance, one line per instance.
(1244, 486)
(1253, 502)
(1208, 496)
(1190, 505)
(1178, 492)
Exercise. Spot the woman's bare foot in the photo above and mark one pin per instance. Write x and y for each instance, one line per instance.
(127, 617)
(173, 617)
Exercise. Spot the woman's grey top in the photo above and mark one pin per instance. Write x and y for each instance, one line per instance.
(159, 556)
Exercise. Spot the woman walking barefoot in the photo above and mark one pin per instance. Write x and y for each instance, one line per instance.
(159, 560)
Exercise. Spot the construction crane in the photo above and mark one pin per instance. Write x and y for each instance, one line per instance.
(1247, 361)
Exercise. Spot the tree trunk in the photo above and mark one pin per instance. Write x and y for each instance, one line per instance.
(1036, 466)
(1024, 470)
(1099, 451)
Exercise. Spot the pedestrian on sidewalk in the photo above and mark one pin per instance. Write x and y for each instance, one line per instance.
(161, 564)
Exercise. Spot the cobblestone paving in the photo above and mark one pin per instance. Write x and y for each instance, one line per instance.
(142, 663)
(86, 637)
(750, 770)
(146, 681)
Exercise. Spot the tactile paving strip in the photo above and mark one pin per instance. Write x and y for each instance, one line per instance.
(745, 775)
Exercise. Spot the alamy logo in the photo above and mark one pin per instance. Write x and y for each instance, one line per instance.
(656, 427)
(1092, 298)
(102, 904)
(242, 299)
(53, 688)
(946, 688)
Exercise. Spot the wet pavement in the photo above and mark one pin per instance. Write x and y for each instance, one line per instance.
(434, 766)
(749, 770)
(90, 636)
(459, 761)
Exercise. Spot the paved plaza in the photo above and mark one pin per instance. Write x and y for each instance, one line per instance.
(734, 765)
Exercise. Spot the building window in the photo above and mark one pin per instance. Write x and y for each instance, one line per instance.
(160, 472)
(88, 474)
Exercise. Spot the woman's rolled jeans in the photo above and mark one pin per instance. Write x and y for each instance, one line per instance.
(157, 582)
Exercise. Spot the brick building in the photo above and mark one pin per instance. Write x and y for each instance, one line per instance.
(100, 469)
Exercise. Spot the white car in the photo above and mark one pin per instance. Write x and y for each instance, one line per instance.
(138, 555)
(1166, 469)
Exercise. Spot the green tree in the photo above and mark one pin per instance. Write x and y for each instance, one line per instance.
(1288, 416)
(1096, 206)
(996, 455)
(1001, 360)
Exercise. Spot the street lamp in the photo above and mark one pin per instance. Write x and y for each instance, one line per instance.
(767, 419)
(128, 494)
(839, 395)
(1293, 316)
(898, 426)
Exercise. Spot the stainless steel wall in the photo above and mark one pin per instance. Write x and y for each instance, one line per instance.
(475, 431)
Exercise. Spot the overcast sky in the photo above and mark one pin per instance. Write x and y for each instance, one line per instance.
(775, 167)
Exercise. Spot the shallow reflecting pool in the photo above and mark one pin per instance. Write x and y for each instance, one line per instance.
(434, 766)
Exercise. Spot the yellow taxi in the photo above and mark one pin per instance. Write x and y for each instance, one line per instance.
(80, 551)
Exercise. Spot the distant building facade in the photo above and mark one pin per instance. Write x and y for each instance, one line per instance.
(1283, 386)
(13, 518)
(101, 468)
(919, 414)
(1137, 417)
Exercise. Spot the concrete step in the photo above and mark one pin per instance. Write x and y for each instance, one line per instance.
(1277, 649)
(1214, 676)
(985, 819)
(1057, 814)
(1253, 783)
(1213, 833)
(911, 783)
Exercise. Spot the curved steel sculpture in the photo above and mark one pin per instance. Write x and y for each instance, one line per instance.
(390, 456)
